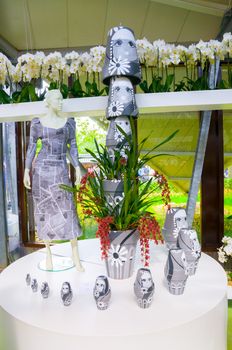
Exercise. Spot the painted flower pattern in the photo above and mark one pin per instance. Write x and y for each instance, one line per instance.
(117, 255)
(119, 66)
(115, 109)
(118, 136)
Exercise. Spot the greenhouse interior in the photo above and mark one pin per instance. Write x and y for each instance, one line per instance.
(115, 174)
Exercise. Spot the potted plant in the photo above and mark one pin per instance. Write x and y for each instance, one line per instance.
(123, 213)
(225, 256)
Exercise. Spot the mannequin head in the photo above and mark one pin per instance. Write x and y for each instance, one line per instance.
(54, 99)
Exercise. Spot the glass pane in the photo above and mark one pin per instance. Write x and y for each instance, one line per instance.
(10, 179)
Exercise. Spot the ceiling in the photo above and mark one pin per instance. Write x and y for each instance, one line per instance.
(64, 24)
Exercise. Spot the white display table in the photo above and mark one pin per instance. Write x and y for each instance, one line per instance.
(196, 320)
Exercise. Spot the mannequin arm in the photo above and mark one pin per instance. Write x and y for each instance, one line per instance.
(26, 179)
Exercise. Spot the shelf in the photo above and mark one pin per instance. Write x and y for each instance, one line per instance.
(148, 104)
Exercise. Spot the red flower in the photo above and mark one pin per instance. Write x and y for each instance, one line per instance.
(123, 161)
(103, 234)
(149, 229)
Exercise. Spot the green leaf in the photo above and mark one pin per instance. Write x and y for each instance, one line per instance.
(4, 97)
(76, 89)
(64, 90)
(32, 94)
(144, 87)
(53, 86)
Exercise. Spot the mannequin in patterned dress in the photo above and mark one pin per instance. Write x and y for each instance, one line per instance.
(54, 208)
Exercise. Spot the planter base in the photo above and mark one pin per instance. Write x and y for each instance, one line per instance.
(121, 255)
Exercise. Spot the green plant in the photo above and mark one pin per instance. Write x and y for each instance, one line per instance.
(133, 208)
(157, 84)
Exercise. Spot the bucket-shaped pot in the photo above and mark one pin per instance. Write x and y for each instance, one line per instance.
(121, 254)
(113, 190)
(121, 56)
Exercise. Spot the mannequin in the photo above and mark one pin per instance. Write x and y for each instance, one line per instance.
(55, 212)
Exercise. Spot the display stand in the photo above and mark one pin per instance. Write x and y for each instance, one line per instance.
(195, 320)
(60, 263)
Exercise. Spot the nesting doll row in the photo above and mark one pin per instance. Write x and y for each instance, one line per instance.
(184, 250)
(143, 289)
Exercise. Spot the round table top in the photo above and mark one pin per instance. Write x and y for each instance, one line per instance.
(123, 317)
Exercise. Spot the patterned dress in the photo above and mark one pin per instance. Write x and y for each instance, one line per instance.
(54, 208)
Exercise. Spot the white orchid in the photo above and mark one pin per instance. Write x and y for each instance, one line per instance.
(227, 240)
(6, 68)
(228, 249)
(225, 251)
(221, 256)
(73, 56)
(143, 48)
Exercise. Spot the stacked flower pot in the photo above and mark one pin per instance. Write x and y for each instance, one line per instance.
(121, 72)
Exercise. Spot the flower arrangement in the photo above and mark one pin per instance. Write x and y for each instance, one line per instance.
(130, 209)
(225, 256)
(78, 74)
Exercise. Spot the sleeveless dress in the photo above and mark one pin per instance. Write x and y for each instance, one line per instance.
(54, 208)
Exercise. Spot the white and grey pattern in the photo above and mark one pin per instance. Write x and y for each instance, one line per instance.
(44, 290)
(28, 279)
(54, 208)
(34, 285)
(121, 254)
(176, 219)
(66, 293)
(102, 292)
(121, 100)
(121, 56)
(144, 288)
(176, 271)
(188, 241)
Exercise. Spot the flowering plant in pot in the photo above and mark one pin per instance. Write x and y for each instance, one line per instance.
(124, 211)
(225, 256)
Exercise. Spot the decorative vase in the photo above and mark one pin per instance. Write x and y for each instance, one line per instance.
(121, 254)
(188, 241)
(115, 139)
(144, 288)
(113, 190)
(121, 56)
(102, 292)
(121, 100)
(176, 271)
(176, 218)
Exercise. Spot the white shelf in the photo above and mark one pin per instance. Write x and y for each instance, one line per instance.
(147, 104)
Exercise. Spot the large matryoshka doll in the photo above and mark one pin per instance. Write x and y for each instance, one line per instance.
(188, 242)
(176, 219)
(175, 271)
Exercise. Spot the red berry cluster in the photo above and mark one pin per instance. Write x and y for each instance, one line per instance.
(163, 184)
(83, 184)
(148, 229)
(103, 234)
